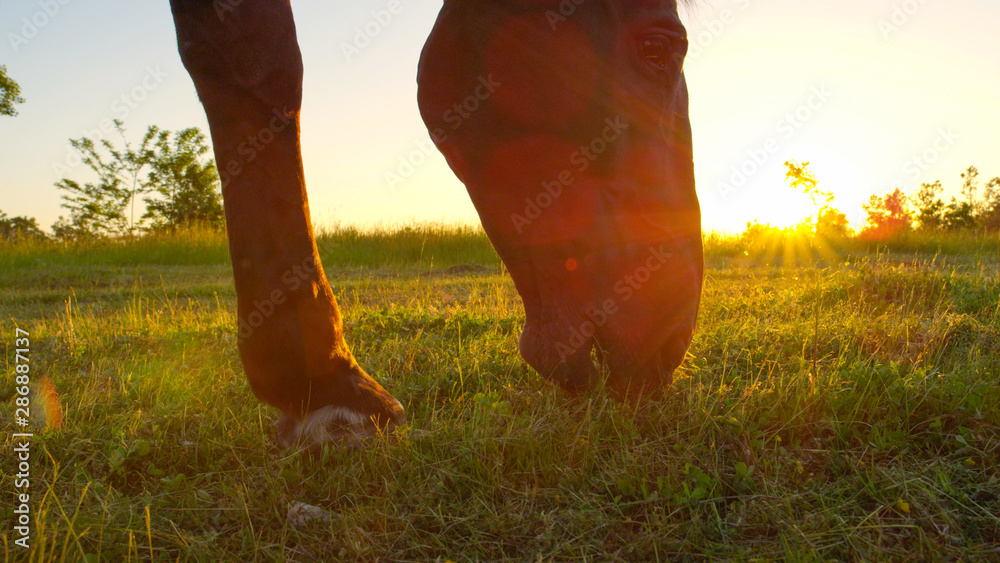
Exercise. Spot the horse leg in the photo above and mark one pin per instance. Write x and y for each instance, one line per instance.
(245, 62)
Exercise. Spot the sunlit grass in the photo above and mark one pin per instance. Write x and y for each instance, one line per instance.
(838, 404)
(346, 246)
(430, 245)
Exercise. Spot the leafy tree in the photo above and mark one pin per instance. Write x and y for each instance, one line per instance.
(888, 216)
(800, 177)
(188, 186)
(970, 185)
(107, 208)
(64, 230)
(14, 229)
(989, 216)
(967, 212)
(959, 215)
(930, 208)
(184, 188)
(830, 223)
(10, 93)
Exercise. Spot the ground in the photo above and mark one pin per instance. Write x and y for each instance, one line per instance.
(837, 410)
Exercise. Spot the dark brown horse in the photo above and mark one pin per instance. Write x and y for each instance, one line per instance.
(568, 123)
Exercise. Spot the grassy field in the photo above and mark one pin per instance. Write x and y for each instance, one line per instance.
(839, 409)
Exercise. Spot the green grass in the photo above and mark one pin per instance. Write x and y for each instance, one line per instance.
(417, 245)
(837, 410)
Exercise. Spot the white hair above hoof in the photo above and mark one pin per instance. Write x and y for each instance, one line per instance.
(339, 426)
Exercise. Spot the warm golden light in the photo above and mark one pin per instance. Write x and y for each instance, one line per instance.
(789, 209)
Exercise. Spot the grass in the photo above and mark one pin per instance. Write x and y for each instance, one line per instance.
(345, 247)
(841, 409)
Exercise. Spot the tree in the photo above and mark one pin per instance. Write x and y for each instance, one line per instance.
(959, 215)
(15, 229)
(10, 93)
(930, 208)
(888, 216)
(800, 177)
(989, 216)
(64, 230)
(184, 188)
(107, 208)
(970, 185)
(966, 213)
(831, 223)
(187, 185)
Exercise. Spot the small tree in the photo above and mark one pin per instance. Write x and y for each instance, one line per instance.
(16, 229)
(989, 216)
(188, 185)
(970, 185)
(830, 223)
(888, 216)
(959, 215)
(64, 230)
(800, 177)
(10, 93)
(184, 187)
(107, 208)
(930, 208)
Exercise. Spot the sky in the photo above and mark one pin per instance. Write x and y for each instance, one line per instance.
(875, 94)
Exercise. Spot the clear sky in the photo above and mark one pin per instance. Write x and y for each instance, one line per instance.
(874, 93)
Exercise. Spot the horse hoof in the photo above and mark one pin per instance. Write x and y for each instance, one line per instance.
(341, 427)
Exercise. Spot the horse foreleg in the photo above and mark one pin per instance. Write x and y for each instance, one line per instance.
(245, 62)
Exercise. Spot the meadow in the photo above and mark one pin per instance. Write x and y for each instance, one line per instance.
(839, 403)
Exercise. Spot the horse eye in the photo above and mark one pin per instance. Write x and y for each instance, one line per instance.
(656, 52)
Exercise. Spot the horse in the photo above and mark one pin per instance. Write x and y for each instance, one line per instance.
(567, 121)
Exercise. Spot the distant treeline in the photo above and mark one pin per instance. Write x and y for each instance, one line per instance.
(179, 189)
(895, 213)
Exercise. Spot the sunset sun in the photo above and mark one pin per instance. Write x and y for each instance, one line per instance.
(789, 206)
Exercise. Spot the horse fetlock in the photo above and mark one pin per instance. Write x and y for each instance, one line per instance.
(337, 425)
